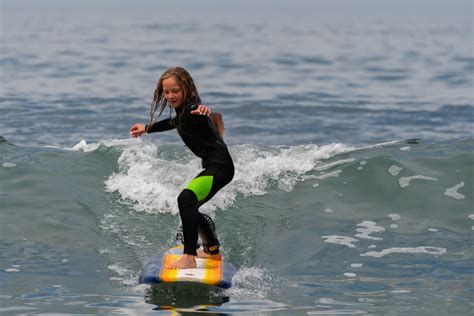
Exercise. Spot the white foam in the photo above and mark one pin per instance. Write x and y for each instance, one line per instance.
(333, 164)
(356, 265)
(120, 143)
(12, 270)
(453, 192)
(118, 269)
(393, 226)
(434, 230)
(337, 312)
(256, 167)
(250, 282)
(350, 274)
(360, 168)
(328, 210)
(115, 279)
(124, 275)
(471, 217)
(367, 228)
(372, 246)
(322, 175)
(8, 165)
(80, 146)
(363, 163)
(405, 181)
(333, 174)
(406, 148)
(331, 301)
(406, 250)
(152, 183)
(340, 240)
(394, 217)
(394, 170)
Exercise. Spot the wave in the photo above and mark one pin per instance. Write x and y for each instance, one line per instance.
(151, 176)
(148, 177)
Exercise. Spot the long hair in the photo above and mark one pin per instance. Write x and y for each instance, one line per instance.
(185, 82)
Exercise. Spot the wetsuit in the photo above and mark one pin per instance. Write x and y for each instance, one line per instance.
(202, 138)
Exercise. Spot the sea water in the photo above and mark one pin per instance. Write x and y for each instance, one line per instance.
(350, 125)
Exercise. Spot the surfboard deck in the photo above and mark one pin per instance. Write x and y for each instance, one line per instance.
(209, 272)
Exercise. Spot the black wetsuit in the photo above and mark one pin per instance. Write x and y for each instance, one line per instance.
(202, 138)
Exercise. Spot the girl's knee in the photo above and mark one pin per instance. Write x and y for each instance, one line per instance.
(186, 200)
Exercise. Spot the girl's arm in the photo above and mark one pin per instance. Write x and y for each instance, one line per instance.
(165, 125)
(161, 126)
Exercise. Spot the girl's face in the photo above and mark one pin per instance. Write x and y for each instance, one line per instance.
(173, 92)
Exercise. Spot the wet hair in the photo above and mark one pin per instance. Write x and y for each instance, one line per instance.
(216, 119)
(185, 82)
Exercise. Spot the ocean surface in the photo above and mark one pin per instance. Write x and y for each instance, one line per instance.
(351, 125)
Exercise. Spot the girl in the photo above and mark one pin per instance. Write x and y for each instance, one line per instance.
(176, 89)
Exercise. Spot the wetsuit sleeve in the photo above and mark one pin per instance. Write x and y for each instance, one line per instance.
(161, 126)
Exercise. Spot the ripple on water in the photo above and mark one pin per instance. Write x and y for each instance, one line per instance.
(366, 228)
(406, 250)
(405, 181)
(453, 192)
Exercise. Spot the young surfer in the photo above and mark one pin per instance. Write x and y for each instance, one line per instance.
(176, 89)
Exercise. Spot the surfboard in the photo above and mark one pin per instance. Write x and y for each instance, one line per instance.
(216, 273)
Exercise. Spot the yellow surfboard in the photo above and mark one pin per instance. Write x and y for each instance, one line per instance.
(211, 272)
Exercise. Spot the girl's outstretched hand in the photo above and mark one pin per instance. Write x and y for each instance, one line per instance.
(137, 130)
(202, 110)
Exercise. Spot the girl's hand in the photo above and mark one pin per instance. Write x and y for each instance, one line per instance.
(202, 110)
(137, 130)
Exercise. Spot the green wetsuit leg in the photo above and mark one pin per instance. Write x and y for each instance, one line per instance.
(200, 190)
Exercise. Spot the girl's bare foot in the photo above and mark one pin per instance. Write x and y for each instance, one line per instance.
(202, 254)
(185, 262)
